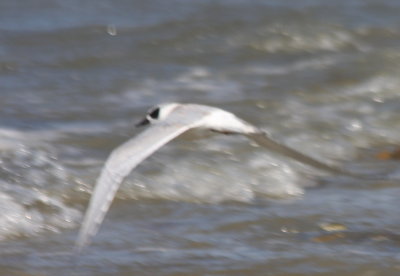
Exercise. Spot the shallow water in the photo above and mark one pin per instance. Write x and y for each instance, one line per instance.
(320, 76)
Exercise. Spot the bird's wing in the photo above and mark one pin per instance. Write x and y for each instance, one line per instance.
(264, 140)
(119, 164)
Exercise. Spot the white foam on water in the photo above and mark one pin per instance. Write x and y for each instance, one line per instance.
(378, 87)
(32, 190)
(15, 139)
(290, 38)
(212, 173)
(37, 185)
(306, 64)
(11, 139)
(28, 212)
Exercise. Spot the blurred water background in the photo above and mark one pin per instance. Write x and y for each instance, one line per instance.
(322, 76)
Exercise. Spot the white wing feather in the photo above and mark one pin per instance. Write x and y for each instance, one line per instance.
(120, 163)
(264, 140)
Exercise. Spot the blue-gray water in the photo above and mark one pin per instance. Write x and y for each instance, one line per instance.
(321, 76)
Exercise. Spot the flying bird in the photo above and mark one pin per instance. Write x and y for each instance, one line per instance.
(167, 121)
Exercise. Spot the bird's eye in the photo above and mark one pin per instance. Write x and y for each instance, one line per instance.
(155, 113)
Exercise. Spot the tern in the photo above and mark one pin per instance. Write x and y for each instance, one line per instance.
(167, 121)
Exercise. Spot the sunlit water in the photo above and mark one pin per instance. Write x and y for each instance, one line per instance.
(320, 76)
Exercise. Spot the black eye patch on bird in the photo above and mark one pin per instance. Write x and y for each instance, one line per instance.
(152, 115)
(155, 113)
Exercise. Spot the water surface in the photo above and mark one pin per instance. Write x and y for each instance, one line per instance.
(320, 76)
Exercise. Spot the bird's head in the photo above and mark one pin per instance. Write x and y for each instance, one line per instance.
(157, 113)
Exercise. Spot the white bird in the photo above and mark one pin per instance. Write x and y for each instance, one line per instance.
(168, 121)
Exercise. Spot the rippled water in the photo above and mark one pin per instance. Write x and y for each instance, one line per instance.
(321, 76)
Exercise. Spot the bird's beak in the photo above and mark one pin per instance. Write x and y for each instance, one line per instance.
(143, 122)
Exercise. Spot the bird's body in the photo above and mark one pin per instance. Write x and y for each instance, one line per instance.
(168, 121)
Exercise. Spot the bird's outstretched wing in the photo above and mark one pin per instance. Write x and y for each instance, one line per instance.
(162, 130)
(264, 140)
(119, 164)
